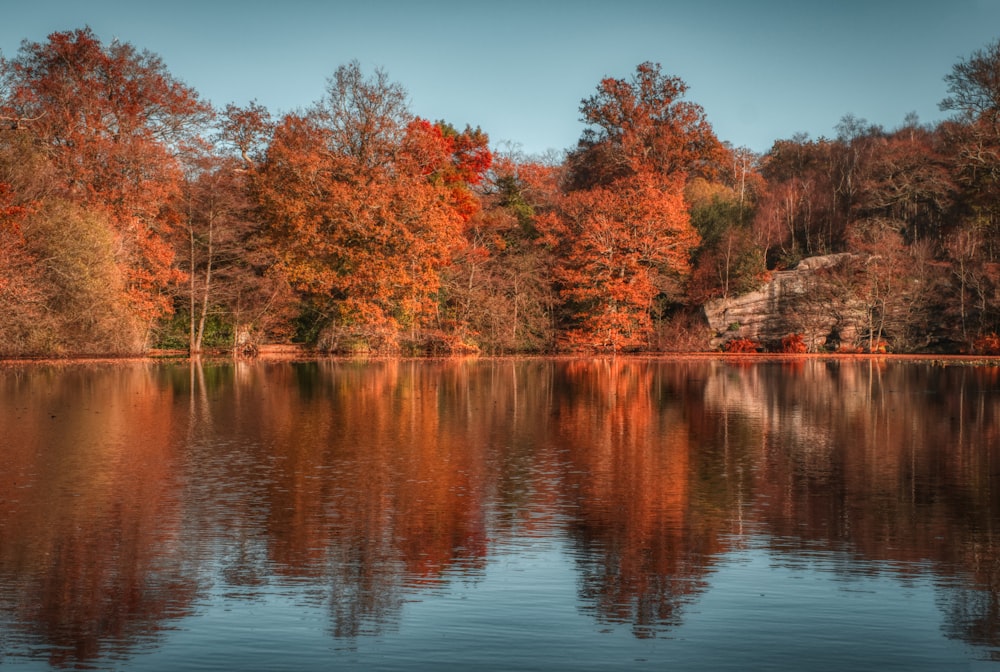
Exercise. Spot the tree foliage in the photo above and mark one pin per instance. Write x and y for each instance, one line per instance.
(366, 204)
(357, 225)
(974, 85)
(642, 124)
(498, 289)
(111, 125)
(619, 248)
(624, 237)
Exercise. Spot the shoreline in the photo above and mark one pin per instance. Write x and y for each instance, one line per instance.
(292, 353)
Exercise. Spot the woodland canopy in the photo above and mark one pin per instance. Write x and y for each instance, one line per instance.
(134, 216)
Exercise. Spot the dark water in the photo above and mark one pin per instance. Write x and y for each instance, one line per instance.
(500, 515)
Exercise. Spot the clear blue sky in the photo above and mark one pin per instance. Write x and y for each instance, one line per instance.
(763, 70)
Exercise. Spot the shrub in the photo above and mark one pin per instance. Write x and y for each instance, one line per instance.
(682, 332)
(794, 344)
(988, 344)
(741, 345)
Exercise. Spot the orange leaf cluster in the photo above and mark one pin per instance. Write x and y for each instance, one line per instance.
(794, 344)
(114, 123)
(988, 344)
(619, 247)
(742, 346)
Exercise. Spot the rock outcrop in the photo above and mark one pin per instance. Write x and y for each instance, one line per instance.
(798, 301)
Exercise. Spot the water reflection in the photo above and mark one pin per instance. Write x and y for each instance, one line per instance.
(644, 544)
(90, 553)
(134, 497)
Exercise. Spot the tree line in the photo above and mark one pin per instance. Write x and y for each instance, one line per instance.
(134, 215)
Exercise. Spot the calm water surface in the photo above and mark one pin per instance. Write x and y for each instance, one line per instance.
(500, 515)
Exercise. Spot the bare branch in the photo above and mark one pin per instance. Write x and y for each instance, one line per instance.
(17, 121)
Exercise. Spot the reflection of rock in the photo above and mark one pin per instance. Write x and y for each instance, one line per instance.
(799, 301)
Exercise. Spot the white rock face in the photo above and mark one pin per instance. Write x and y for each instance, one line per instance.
(799, 301)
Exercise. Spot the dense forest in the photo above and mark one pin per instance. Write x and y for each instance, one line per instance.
(135, 216)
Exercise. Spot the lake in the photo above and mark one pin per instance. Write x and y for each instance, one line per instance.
(508, 514)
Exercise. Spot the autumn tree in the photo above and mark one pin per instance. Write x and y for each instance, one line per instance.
(60, 287)
(907, 177)
(887, 280)
(798, 214)
(620, 247)
(623, 236)
(972, 137)
(247, 131)
(112, 124)
(974, 86)
(25, 328)
(87, 290)
(215, 244)
(728, 259)
(258, 298)
(975, 283)
(21, 298)
(813, 188)
(233, 296)
(498, 288)
(642, 124)
(365, 204)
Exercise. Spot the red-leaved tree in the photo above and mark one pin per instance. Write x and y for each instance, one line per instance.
(619, 248)
(113, 125)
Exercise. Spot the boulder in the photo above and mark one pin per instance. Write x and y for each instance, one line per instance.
(797, 301)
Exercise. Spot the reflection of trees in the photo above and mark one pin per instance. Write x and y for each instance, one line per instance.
(388, 477)
(644, 549)
(384, 475)
(973, 614)
(897, 462)
(89, 533)
(374, 481)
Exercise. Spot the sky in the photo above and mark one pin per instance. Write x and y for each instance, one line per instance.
(763, 70)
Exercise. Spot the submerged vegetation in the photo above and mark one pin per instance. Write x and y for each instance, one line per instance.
(133, 215)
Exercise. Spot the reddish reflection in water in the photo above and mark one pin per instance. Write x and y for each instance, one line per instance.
(132, 495)
(90, 550)
(894, 462)
(643, 545)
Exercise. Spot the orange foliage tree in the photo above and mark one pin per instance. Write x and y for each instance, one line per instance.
(21, 299)
(620, 247)
(113, 124)
(643, 124)
(365, 205)
(624, 236)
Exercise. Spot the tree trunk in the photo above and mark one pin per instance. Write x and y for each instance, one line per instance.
(208, 284)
